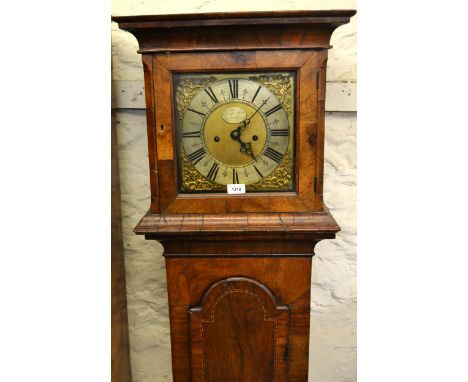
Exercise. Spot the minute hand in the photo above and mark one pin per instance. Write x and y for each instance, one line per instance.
(247, 121)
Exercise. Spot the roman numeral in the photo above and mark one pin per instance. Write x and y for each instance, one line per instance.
(280, 133)
(213, 172)
(195, 111)
(258, 171)
(273, 110)
(256, 93)
(235, 177)
(211, 94)
(192, 134)
(197, 156)
(234, 88)
(273, 154)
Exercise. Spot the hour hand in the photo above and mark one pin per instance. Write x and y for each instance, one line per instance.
(244, 147)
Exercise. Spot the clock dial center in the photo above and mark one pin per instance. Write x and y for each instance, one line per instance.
(237, 148)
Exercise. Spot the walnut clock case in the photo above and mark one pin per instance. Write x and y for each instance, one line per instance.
(237, 98)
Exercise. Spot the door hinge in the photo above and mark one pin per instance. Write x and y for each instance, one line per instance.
(315, 184)
(317, 79)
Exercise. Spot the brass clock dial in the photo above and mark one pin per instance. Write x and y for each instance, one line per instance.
(235, 129)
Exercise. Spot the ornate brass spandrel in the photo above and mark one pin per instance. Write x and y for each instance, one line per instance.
(281, 87)
(280, 84)
(192, 180)
(280, 180)
(186, 90)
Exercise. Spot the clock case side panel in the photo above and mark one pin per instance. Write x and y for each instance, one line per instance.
(306, 65)
(322, 58)
(147, 60)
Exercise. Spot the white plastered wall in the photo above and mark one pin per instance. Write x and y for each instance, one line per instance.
(333, 305)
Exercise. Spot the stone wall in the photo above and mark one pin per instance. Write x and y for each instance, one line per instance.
(333, 305)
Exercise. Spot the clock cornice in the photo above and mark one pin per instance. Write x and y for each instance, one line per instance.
(234, 31)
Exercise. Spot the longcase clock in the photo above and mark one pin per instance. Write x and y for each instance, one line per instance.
(235, 116)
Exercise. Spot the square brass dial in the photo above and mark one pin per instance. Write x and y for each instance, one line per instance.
(235, 128)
